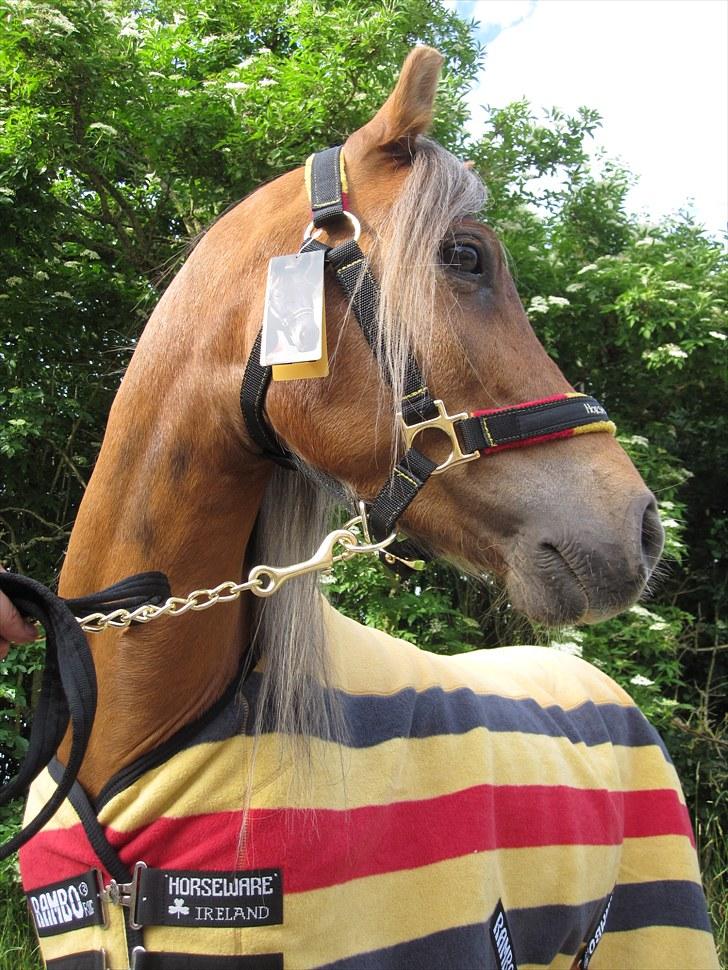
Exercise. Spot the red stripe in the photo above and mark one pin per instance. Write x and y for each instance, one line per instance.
(517, 407)
(525, 442)
(323, 847)
(57, 854)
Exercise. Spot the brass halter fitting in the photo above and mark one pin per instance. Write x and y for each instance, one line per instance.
(443, 422)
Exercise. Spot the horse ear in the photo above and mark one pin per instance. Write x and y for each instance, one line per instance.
(407, 112)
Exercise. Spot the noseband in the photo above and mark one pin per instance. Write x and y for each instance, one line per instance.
(481, 432)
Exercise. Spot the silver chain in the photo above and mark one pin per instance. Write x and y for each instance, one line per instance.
(261, 581)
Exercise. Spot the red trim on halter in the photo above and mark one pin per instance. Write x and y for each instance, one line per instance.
(526, 404)
(526, 442)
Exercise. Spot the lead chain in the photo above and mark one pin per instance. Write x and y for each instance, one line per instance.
(262, 581)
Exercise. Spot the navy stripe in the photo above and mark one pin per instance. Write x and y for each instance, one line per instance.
(461, 948)
(540, 933)
(372, 720)
(670, 902)
(409, 713)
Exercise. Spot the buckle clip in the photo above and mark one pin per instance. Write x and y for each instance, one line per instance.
(443, 422)
(125, 894)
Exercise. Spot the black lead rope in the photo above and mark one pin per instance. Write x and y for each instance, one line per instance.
(68, 688)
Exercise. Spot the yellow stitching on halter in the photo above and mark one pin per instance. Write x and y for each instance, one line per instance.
(307, 175)
(406, 477)
(575, 394)
(308, 169)
(608, 426)
(420, 390)
(342, 172)
(486, 431)
(347, 265)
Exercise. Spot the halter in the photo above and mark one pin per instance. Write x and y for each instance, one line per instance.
(482, 432)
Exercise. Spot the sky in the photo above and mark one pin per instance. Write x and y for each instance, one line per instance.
(656, 70)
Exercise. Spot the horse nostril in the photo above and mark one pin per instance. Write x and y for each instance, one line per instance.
(653, 535)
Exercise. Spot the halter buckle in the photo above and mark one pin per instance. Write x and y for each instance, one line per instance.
(443, 422)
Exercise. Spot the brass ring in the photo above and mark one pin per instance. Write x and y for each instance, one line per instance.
(311, 231)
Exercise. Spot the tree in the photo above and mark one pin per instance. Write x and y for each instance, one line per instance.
(128, 127)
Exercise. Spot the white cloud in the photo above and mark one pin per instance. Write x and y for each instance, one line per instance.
(655, 69)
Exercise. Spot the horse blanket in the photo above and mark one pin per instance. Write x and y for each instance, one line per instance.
(502, 808)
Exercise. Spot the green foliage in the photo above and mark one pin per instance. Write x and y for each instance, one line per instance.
(420, 610)
(18, 946)
(125, 128)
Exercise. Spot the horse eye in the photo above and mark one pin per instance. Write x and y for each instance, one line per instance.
(462, 258)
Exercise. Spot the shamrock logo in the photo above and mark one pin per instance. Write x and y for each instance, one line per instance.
(179, 908)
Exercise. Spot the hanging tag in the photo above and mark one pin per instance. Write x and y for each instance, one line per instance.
(293, 314)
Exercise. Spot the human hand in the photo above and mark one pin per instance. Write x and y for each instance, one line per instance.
(12, 626)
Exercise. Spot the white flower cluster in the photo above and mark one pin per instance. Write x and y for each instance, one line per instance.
(539, 304)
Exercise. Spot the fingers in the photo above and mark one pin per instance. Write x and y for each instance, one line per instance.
(12, 625)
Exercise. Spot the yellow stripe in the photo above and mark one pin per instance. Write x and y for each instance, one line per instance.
(420, 390)
(211, 777)
(658, 857)
(368, 661)
(609, 426)
(342, 172)
(486, 432)
(663, 947)
(407, 478)
(111, 939)
(307, 175)
(574, 394)
(308, 168)
(40, 792)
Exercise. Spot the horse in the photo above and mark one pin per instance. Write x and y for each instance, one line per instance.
(271, 784)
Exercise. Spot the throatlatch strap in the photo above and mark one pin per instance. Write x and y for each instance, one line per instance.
(252, 400)
(560, 416)
(402, 486)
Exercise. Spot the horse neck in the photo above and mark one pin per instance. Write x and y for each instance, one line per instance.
(173, 490)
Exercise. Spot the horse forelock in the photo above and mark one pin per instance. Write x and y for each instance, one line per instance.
(438, 193)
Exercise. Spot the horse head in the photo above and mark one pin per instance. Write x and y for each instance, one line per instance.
(568, 525)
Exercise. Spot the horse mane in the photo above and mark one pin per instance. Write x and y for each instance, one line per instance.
(295, 698)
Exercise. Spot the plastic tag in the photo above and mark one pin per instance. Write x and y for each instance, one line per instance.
(293, 315)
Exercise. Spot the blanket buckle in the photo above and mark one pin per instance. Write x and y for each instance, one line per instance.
(125, 894)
